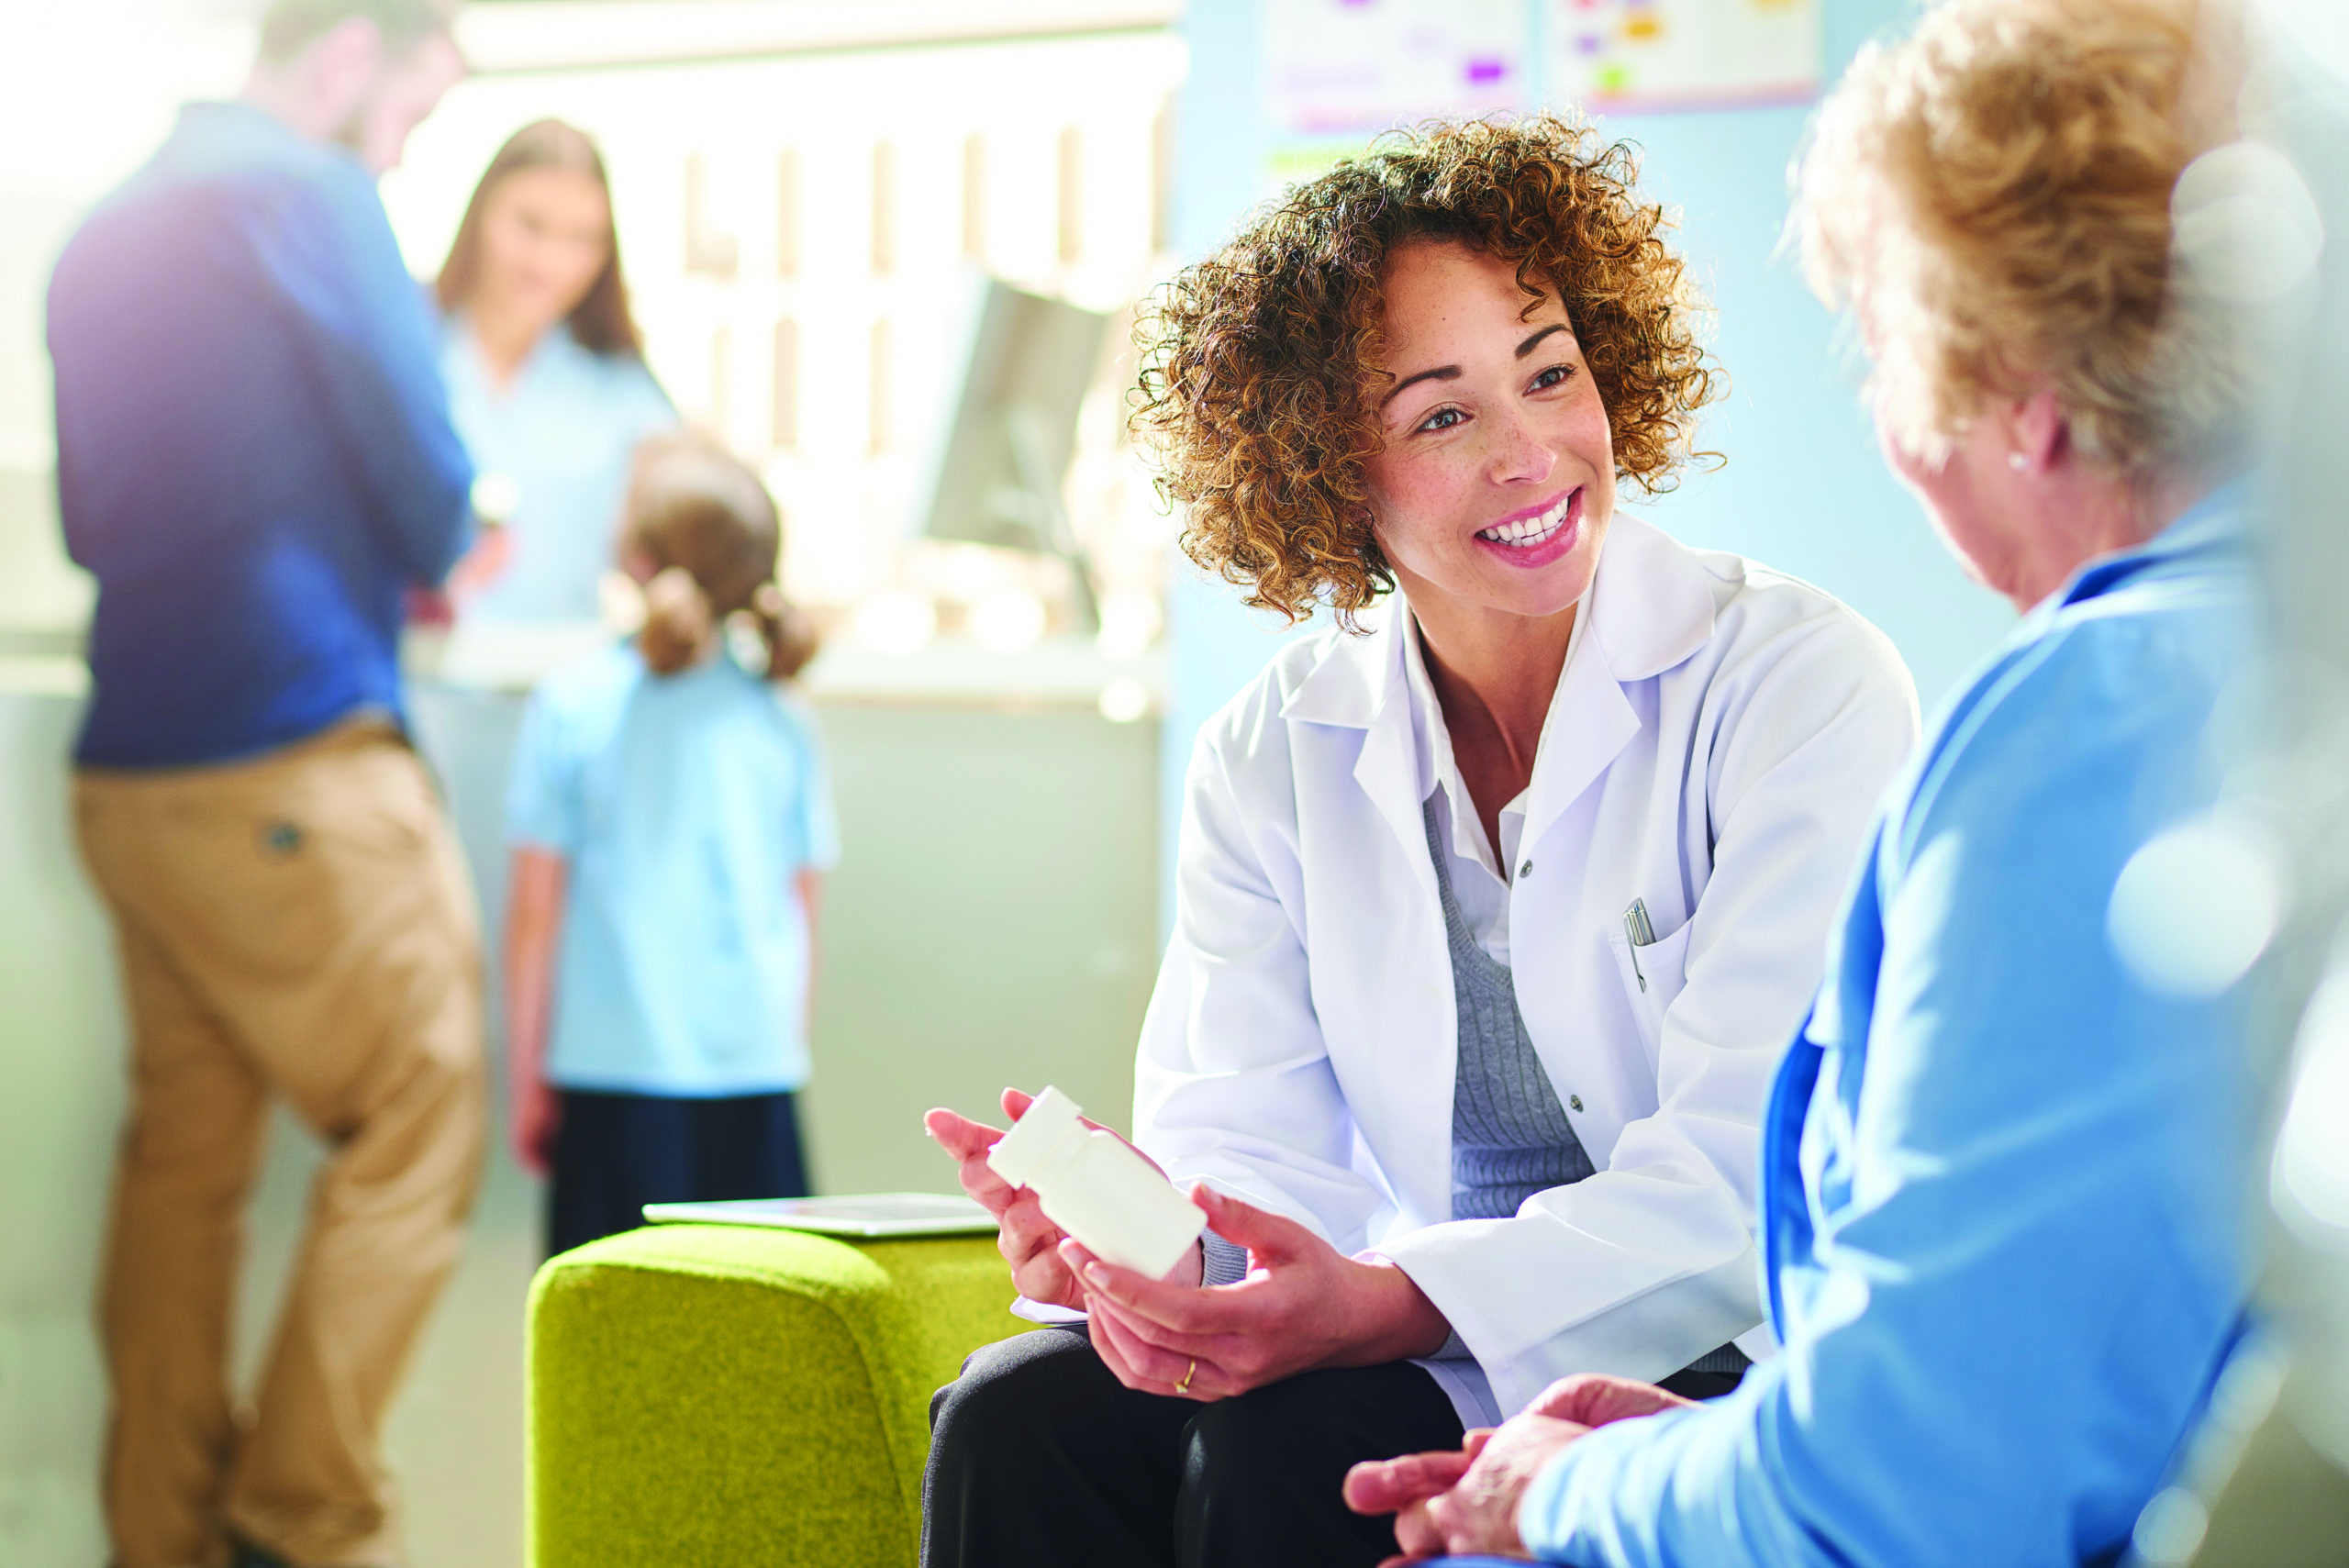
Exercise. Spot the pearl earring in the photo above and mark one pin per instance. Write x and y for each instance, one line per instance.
(2017, 462)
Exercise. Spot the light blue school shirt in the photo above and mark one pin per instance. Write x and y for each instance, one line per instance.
(2003, 1201)
(685, 806)
(564, 431)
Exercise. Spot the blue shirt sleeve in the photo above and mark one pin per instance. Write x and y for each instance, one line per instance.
(364, 327)
(543, 805)
(2020, 1165)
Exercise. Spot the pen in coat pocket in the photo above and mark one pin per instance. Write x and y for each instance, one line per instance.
(1639, 933)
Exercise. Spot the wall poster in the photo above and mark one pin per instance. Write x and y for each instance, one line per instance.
(1669, 54)
(1332, 66)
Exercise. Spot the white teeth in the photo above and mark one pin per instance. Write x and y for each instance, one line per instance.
(1530, 530)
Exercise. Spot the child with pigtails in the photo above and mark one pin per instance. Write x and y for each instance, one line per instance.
(670, 820)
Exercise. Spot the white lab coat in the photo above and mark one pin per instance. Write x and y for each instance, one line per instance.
(1717, 748)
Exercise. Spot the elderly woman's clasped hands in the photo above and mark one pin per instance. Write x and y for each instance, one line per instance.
(1466, 1501)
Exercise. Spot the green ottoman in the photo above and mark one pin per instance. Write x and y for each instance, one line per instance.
(712, 1395)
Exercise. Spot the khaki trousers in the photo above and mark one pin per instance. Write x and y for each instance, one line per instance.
(299, 925)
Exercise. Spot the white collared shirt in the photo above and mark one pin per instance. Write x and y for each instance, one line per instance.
(1480, 875)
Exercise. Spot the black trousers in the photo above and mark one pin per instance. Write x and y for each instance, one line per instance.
(1040, 1458)
(615, 1153)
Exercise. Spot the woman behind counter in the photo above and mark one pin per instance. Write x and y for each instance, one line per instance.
(546, 375)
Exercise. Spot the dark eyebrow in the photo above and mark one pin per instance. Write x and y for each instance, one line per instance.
(1451, 372)
(1533, 342)
(1442, 372)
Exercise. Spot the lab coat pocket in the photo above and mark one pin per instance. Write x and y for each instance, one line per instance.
(1653, 976)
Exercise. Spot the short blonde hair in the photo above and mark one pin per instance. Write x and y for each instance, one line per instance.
(1992, 195)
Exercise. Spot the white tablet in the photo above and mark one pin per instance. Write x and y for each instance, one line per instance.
(867, 1214)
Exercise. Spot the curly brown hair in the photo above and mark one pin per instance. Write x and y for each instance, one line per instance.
(1260, 364)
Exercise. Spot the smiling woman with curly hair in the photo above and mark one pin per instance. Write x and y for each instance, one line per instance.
(1490, 923)
(1264, 364)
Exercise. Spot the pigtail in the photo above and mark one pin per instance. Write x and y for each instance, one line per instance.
(702, 523)
(679, 625)
(787, 631)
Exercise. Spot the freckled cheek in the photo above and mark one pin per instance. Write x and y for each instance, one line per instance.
(1420, 502)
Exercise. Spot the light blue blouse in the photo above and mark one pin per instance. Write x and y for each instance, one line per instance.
(685, 807)
(2002, 1204)
(564, 433)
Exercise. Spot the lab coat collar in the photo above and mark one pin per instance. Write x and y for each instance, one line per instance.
(1651, 607)
(1352, 684)
(1652, 604)
(1358, 684)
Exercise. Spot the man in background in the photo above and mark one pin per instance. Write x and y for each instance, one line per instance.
(255, 460)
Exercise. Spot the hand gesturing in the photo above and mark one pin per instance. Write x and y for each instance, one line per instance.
(1029, 1241)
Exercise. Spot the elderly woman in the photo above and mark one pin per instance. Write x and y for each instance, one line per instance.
(2002, 1168)
(1490, 923)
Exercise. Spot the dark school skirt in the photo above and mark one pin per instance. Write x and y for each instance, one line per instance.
(615, 1153)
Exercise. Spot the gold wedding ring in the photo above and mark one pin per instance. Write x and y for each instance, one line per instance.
(1185, 1386)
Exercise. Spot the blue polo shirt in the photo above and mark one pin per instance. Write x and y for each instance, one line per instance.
(685, 806)
(2003, 1202)
(254, 455)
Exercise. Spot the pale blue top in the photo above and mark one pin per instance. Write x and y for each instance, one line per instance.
(685, 806)
(564, 432)
(2002, 1204)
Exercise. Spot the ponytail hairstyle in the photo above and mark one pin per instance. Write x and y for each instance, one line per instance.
(710, 534)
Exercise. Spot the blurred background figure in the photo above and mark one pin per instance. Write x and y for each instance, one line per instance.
(546, 375)
(254, 460)
(670, 820)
